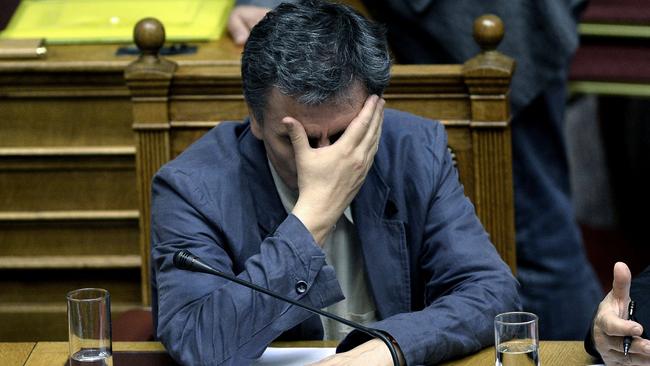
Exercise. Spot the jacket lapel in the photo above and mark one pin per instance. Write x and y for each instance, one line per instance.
(268, 207)
(270, 214)
(383, 242)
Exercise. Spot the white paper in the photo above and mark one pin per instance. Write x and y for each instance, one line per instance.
(287, 356)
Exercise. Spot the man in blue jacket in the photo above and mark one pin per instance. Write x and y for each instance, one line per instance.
(541, 35)
(327, 198)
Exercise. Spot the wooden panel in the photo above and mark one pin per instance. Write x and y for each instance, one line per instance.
(57, 237)
(213, 108)
(67, 183)
(184, 137)
(493, 163)
(490, 107)
(66, 261)
(50, 286)
(454, 107)
(42, 321)
(65, 121)
(459, 140)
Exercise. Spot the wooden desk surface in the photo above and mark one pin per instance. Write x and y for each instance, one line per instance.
(55, 353)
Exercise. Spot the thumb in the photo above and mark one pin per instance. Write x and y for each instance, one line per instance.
(621, 284)
(297, 135)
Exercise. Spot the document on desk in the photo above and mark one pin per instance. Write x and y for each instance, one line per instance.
(276, 356)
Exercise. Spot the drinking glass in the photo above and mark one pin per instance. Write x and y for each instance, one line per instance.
(89, 327)
(516, 339)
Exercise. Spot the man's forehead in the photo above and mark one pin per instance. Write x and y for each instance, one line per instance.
(348, 103)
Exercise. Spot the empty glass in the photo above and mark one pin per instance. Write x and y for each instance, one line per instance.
(89, 327)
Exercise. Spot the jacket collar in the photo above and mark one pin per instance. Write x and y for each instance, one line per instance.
(268, 207)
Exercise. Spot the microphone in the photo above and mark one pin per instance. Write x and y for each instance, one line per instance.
(184, 259)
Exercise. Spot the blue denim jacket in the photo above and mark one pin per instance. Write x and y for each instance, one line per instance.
(436, 279)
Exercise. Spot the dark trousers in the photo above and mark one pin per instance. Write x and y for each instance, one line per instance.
(557, 281)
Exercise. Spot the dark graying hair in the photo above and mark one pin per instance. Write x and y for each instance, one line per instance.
(313, 51)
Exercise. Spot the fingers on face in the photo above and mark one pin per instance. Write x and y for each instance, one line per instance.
(296, 133)
(361, 124)
(374, 131)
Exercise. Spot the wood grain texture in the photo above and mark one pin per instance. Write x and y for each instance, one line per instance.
(49, 285)
(494, 196)
(31, 121)
(148, 80)
(70, 262)
(15, 354)
(67, 175)
(67, 233)
(487, 77)
(551, 353)
(153, 152)
(43, 321)
(56, 353)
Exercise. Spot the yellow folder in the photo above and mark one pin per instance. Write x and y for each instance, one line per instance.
(109, 21)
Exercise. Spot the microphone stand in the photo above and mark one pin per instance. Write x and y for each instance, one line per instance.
(184, 259)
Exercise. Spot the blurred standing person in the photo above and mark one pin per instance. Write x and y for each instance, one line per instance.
(557, 281)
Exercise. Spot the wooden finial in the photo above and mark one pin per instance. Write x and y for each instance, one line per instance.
(149, 36)
(488, 31)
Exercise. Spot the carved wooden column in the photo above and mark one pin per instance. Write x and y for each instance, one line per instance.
(148, 79)
(487, 77)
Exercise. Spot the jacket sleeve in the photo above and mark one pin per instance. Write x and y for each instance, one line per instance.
(466, 282)
(206, 320)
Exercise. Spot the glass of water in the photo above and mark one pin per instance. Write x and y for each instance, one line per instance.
(89, 327)
(516, 339)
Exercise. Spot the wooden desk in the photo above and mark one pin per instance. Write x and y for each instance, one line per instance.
(55, 353)
(15, 354)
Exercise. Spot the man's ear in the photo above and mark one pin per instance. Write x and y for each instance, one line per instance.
(256, 128)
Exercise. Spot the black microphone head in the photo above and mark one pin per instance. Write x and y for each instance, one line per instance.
(183, 259)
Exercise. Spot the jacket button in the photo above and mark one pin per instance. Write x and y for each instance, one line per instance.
(301, 287)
